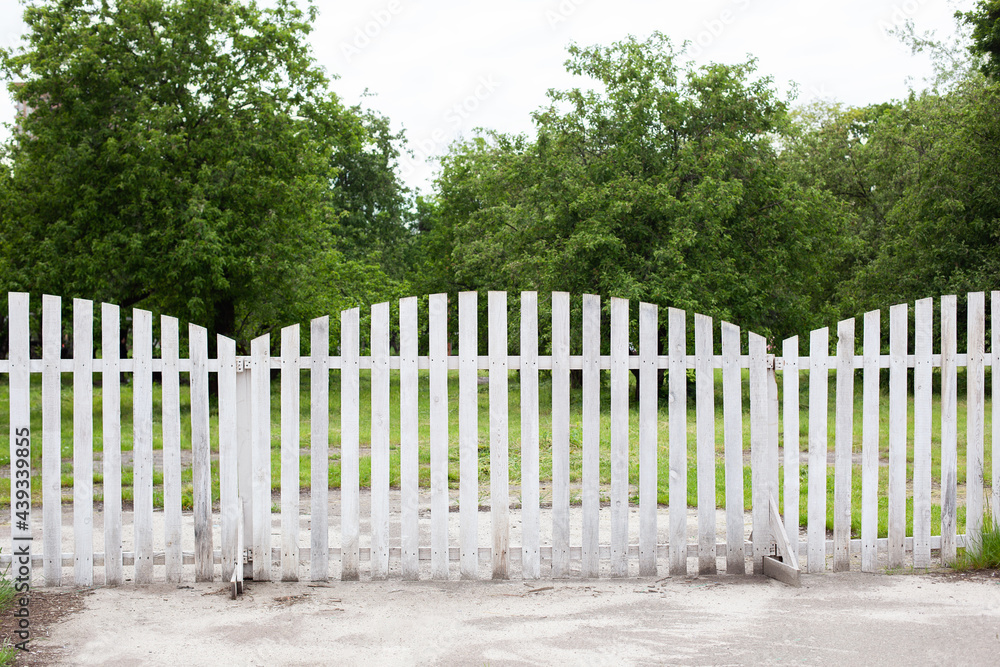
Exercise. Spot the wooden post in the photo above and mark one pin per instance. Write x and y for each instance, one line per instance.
(677, 379)
(591, 464)
(648, 416)
(408, 439)
(530, 522)
(869, 443)
(83, 442)
(560, 434)
(380, 441)
(759, 466)
(732, 407)
(350, 428)
(819, 350)
(468, 432)
(319, 448)
(790, 416)
(142, 443)
(949, 428)
(898, 410)
(52, 442)
(438, 306)
(170, 346)
(843, 448)
(260, 454)
(229, 495)
(922, 408)
(499, 482)
(290, 345)
(975, 416)
(705, 417)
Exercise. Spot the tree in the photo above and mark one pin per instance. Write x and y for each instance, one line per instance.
(661, 185)
(985, 22)
(181, 155)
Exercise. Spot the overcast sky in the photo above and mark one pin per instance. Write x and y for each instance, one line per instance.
(441, 68)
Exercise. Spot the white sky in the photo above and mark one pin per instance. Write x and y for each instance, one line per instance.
(441, 68)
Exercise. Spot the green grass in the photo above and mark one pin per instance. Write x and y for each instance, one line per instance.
(7, 596)
(514, 430)
(984, 551)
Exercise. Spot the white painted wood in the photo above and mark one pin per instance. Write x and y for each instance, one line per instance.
(111, 415)
(319, 448)
(949, 428)
(408, 439)
(560, 434)
(244, 457)
(705, 418)
(380, 441)
(975, 415)
(260, 454)
(350, 430)
(843, 447)
(229, 501)
(648, 439)
(290, 346)
(677, 415)
(83, 442)
(52, 440)
(201, 454)
(19, 379)
(732, 410)
(468, 432)
(758, 448)
(142, 443)
(819, 349)
(619, 436)
(898, 410)
(791, 435)
(922, 407)
(995, 434)
(591, 464)
(870, 442)
(530, 522)
(438, 308)
(499, 441)
(171, 415)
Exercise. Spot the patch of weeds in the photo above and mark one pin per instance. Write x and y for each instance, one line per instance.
(983, 551)
(7, 595)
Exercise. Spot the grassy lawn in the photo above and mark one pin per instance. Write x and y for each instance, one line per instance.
(545, 442)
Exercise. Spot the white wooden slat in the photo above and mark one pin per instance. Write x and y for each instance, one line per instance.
(560, 434)
(648, 441)
(705, 418)
(530, 522)
(758, 449)
(995, 434)
(380, 441)
(843, 447)
(142, 443)
(949, 428)
(499, 436)
(111, 416)
(732, 408)
(898, 410)
(975, 416)
(244, 457)
(870, 442)
(350, 434)
(438, 310)
(677, 415)
(922, 407)
(171, 415)
(408, 439)
(619, 436)
(591, 464)
(260, 454)
(791, 435)
(229, 502)
(201, 454)
(290, 347)
(468, 432)
(319, 448)
(19, 353)
(819, 348)
(52, 440)
(83, 442)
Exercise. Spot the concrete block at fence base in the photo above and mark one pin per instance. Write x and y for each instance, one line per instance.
(783, 572)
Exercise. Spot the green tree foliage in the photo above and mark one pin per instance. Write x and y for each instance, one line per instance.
(663, 184)
(183, 156)
(985, 22)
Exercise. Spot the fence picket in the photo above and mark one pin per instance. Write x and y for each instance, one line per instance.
(260, 454)
(791, 437)
(468, 433)
(819, 348)
(530, 528)
(619, 436)
(319, 448)
(380, 441)
(759, 415)
(408, 439)
(201, 454)
(350, 433)
(732, 408)
(949, 429)
(83, 442)
(560, 434)
(897, 433)
(677, 415)
(290, 341)
(19, 356)
(591, 464)
(648, 406)
(922, 407)
(499, 482)
(52, 439)
(870, 442)
(171, 411)
(705, 418)
(111, 416)
(843, 447)
(438, 306)
(142, 443)
(975, 416)
(995, 435)
(229, 507)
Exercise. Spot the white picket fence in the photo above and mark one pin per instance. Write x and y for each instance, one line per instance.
(245, 433)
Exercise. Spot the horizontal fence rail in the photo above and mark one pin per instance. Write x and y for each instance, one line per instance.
(583, 527)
